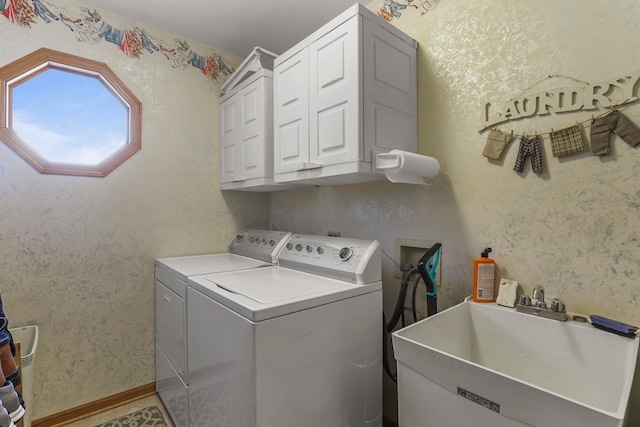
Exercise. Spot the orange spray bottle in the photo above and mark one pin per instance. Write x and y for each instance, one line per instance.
(484, 273)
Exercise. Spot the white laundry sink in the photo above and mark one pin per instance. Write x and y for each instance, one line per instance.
(514, 369)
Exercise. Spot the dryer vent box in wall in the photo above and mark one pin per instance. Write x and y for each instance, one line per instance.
(409, 251)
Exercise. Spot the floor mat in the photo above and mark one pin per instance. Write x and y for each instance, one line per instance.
(147, 417)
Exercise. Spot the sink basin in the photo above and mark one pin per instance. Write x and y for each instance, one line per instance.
(487, 365)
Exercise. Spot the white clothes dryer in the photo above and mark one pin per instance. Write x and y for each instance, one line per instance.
(298, 344)
(249, 249)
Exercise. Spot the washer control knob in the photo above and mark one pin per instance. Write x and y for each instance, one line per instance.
(298, 247)
(272, 242)
(239, 237)
(309, 248)
(252, 239)
(289, 246)
(345, 254)
(264, 241)
(320, 250)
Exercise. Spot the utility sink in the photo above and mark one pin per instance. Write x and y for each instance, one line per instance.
(484, 365)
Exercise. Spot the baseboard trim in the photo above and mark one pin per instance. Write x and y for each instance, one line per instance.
(79, 412)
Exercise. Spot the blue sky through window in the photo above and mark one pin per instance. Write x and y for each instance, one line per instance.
(68, 117)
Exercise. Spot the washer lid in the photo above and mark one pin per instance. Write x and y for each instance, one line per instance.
(186, 266)
(264, 293)
(279, 286)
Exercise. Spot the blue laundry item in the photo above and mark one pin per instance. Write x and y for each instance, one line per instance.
(196, 60)
(395, 8)
(147, 43)
(223, 67)
(111, 34)
(43, 12)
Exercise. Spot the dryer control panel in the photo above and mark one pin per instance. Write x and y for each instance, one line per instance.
(264, 245)
(343, 258)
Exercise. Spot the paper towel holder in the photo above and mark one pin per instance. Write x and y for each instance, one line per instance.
(406, 167)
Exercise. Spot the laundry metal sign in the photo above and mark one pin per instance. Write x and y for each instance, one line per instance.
(563, 99)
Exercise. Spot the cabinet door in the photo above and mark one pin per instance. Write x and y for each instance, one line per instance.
(291, 114)
(229, 135)
(250, 160)
(390, 92)
(334, 100)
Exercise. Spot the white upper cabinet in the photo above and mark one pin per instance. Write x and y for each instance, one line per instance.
(341, 95)
(246, 126)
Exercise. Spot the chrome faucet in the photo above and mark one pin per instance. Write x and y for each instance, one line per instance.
(536, 305)
(538, 296)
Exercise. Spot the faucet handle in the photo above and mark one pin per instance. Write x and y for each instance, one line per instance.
(538, 293)
(525, 300)
(557, 305)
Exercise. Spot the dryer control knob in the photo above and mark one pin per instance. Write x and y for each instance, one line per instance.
(289, 246)
(320, 250)
(309, 248)
(345, 254)
(298, 247)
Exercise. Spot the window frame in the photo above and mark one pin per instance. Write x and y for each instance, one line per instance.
(43, 59)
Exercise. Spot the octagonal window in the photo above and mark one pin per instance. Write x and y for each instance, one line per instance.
(68, 115)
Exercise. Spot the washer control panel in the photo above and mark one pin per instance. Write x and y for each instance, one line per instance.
(352, 260)
(264, 245)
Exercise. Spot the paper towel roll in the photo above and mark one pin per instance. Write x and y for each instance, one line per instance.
(405, 167)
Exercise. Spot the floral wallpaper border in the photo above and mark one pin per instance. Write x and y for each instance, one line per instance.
(87, 25)
(392, 9)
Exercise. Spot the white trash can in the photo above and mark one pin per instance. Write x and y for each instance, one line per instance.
(27, 336)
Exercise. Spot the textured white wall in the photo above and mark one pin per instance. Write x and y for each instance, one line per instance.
(575, 229)
(76, 254)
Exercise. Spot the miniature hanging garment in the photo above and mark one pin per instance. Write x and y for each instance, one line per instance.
(567, 141)
(496, 143)
(529, 147)
(612, 122)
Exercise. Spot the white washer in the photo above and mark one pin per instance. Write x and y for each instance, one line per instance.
(249, 249)
(299, 344)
